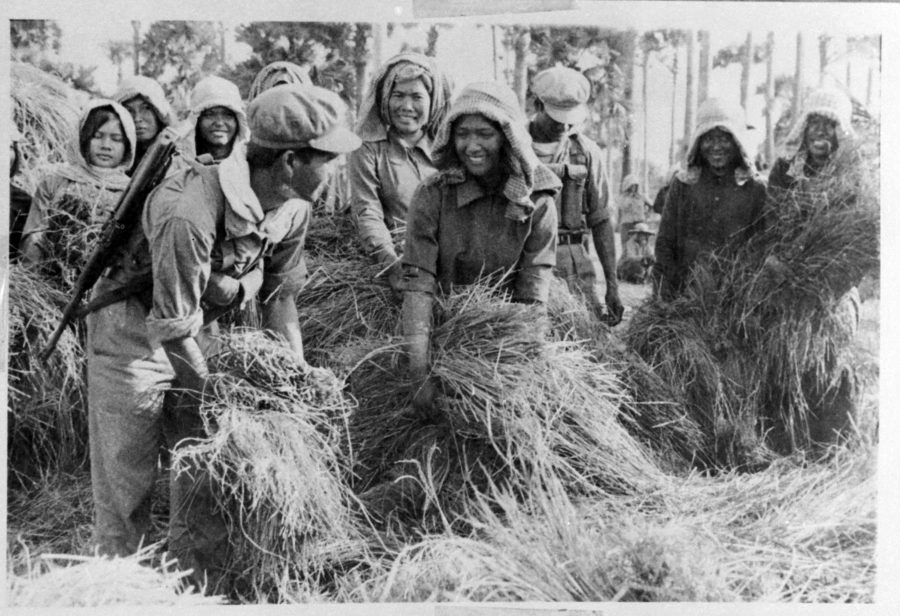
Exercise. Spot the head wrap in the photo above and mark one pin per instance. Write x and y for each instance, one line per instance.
(277, 73)
(716, 113)
(498, 103)
(150, 90)
(373, 113)
(208, 93)
(628, 181)
(78, 169)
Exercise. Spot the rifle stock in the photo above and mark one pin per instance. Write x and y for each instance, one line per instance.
(118, 228)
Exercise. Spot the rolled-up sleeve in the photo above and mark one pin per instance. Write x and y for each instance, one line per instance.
(539, 254)
(420, 259)
(181, 269)
(285, 271)
(368, 211)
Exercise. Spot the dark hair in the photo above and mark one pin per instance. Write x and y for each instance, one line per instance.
(95, 120)
(509, 164)
(261, 157)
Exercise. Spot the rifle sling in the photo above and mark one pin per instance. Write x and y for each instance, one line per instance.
(132, 287)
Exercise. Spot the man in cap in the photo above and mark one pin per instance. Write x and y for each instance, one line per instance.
(715, 200)
(582, 207)
(212, 236)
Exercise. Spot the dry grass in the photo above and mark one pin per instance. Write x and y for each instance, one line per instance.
(45, 111)
(515, 409)
(753, 349)
(272, 448)
(47, 401)
(91, 581)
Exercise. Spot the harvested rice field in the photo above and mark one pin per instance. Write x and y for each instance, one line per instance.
(453, 516)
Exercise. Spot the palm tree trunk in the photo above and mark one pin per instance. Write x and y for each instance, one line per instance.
(746, 62)
(689, 90)
(798, 80)
(770, 98)
(703, 71)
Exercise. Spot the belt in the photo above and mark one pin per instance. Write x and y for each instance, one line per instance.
(570, 238)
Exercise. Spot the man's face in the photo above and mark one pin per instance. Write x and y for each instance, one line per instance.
(550, 127)
(718, 149)
(820, 136)
(146, 124)
(409, 107)
(310, 178)
(217, 126)
(478, 145)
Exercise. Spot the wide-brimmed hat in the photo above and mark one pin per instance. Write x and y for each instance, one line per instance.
(641, 228)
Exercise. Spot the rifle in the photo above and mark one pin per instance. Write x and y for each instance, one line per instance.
(117, 229)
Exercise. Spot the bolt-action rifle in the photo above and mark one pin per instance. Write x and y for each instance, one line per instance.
(117, 229)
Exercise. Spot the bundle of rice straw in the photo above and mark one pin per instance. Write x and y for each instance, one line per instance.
(332, 236)
(651, 413)
(45, 111)
(514, 408)
(273, 441)
(46, 411)
(94, 581)
(792, 532)
(757, 349)
(346, 311)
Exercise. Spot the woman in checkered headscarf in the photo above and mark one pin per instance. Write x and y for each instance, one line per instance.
(487, 213)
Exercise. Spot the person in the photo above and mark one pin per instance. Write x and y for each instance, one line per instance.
(217, 123)
(276, 74)
(637, 255)
(714, 200)
(73, 200)
(19, 198)
(633, 207)
(487, 213)
(406, 101)
(211, 236)
(824, 148)
(582, 208)
(145, 100)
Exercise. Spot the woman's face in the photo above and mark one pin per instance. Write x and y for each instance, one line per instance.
(409, 106)
(217, 126)
(718, 149)
(820, 136)
(146, 124)
(479, 145)
(106, 148)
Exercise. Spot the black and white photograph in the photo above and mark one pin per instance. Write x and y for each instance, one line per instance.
(420, 307)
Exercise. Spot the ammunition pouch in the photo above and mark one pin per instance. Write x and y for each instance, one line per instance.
(570, 205)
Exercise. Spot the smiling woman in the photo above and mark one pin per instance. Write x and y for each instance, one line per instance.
(405, 103)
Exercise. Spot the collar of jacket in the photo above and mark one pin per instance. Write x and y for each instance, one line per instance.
(424, 144)
(692, 174)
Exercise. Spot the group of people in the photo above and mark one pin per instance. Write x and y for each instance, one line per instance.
(444, 191)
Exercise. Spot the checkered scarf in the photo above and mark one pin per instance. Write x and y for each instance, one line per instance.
(374, 117)
(78, 169)
(498, 103)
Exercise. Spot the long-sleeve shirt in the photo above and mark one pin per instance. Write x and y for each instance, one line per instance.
(383, 177)
(458, 232)
(701, 217)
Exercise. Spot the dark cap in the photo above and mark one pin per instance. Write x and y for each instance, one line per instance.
(297, 115)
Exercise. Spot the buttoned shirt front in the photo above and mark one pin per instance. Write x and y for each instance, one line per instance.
(458, 232)
(702, 217)
(384, 175)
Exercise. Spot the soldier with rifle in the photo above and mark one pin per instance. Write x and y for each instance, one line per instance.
(582, 208)
(210, 236)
